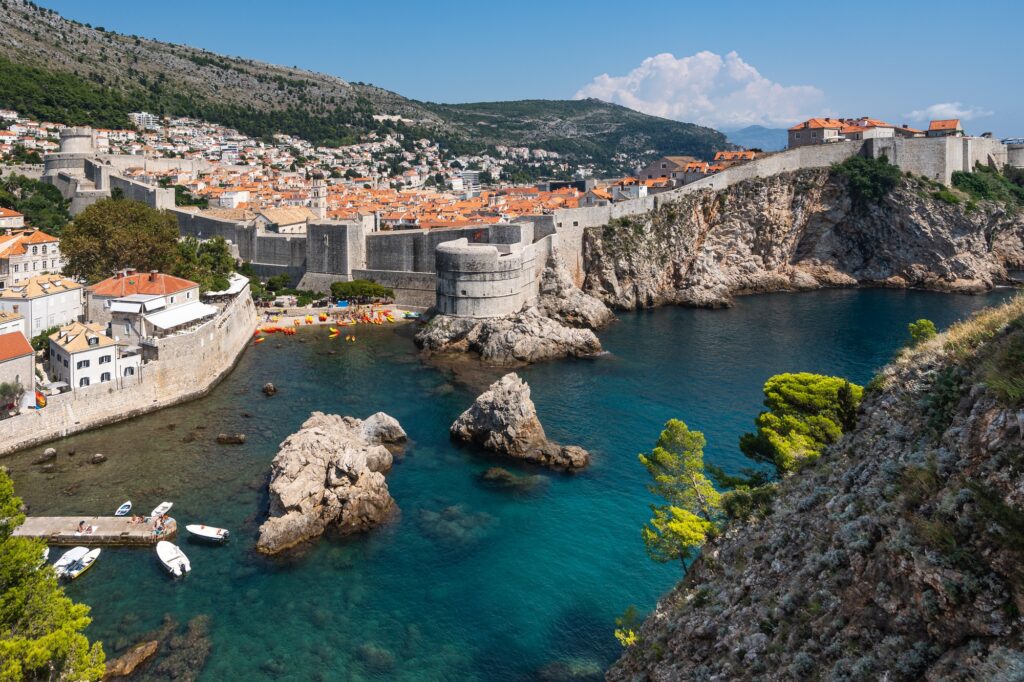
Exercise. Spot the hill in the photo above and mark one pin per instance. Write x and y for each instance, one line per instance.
(100, 76)
(759, 137)
(896, 556)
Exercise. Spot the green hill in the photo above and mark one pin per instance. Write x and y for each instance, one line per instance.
(56, 69)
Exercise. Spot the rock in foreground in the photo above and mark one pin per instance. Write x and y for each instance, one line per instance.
(330, 473)
(504, 420)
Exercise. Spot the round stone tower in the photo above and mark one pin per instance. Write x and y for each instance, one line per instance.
(77, 140)
(76, 145)
(1015, 153)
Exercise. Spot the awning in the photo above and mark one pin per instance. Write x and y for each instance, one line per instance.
(237, 283)
(179, 315)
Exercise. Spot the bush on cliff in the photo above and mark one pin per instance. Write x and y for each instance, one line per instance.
(806, 412)
(676, 465)
(989, 184)
(921, 331)
(40, 628)
(869, 180)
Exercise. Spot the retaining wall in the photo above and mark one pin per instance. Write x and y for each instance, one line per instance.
(187, 368)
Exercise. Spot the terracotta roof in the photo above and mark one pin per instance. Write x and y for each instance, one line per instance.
(288, 216)
(8, 213)
(14, 345)
(945, 124)
(124, 284)
(40, 285)
(14, 243)
(75, 337)
(818, 123)
(745, 155)
(8, 316)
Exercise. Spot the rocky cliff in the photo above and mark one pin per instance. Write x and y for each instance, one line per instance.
(896, 557)
(330, 473)
(797, 231)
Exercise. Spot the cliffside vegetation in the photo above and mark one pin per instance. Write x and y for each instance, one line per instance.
(893, 555)
(870, 180)
(41, 629)
(988, 184)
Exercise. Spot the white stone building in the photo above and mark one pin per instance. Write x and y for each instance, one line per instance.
(10, 219)
(82, 355)
(45, 301)
(26, 253)
(11, 322)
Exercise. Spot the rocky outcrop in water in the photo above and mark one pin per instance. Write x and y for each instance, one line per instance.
(129, 662)
(559, 325)
(330, 473)
(504, 420)
(798, 231)
(895, 557)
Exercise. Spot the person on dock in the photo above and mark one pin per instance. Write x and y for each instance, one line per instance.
(81, 526)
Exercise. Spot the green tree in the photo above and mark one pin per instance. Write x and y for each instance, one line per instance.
(111, 235)
(676, 467)
(921, 331)
(21, 155)
(42, 205)
(40, 627)
(869, 180)
(806, 412)
(208, 263)
(360, 289)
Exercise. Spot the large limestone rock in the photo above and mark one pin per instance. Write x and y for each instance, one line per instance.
(560, 324)
(330, 473)
(504, 420)
(127, 664)
(793, 232)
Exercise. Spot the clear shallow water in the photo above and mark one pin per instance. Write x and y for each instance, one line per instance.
(470, 583)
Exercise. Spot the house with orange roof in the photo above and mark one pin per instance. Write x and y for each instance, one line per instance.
(816, 131)
(595, 197)
(83, 355)
(153, 290)
(17, 366)
(45, 301)
(664, 167)
(10, 219)
(945, 128)
(25, 252)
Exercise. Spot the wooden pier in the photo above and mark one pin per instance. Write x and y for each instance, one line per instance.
(106, 530)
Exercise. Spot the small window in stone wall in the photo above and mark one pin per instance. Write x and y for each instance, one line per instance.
(575, 223)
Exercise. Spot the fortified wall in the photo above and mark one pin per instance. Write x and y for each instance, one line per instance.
(490, 280)
(188, 366)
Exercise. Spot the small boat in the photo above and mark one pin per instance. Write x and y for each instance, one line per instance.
(410, 315)
(124, 509)
(208, 532)
(173, 559)
(161, 509)
(75, 562)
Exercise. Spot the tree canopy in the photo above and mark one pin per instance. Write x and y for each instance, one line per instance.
(113, 234)
(921, 330)
(805, 413)
(208, 263)
(360, 288)
(42, 205)
(40, 627)
(676, 467)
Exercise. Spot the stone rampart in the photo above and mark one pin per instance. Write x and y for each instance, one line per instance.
(188, 366)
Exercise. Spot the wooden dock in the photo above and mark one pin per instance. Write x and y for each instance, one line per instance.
(106, 530)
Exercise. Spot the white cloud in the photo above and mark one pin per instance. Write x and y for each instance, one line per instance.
(709, 89)
(945, 110)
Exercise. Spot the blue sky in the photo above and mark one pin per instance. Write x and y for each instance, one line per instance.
(902, 61)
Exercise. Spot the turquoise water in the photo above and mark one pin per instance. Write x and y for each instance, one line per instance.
(470, 582)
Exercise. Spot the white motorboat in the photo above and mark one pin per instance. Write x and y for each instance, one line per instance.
(173, 559)
(161, 509)
(208, 532)
(75, 562)
(124, 509)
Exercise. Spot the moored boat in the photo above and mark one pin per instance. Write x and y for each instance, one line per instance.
(75, 562)
(208, 532)
(124, 509)
(173, 559)
(161, 509)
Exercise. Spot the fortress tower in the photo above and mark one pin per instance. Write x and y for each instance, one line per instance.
(318, 201)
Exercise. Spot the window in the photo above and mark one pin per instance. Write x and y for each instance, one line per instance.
(172, 299)
(105, 376)
(16, 266)
(188, 294)
(94, 341)
(65, 362)
(44, 249)
(129, 371)
(35, 250)
(126, 328)
(84, 381)
(104, 359)
(82, 364)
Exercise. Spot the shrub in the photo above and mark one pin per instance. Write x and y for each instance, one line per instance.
(921, 331)
(989, 184)
(869, 180)
(945, 196)
(359, 289)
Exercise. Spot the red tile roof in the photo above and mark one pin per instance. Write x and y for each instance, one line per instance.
(8, 213)
(13, 345)
(818, 123)
(157, 284)
(945, 124)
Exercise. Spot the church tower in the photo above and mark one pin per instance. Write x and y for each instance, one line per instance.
(319, 196)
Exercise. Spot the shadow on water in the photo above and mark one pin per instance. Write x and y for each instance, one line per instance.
(471, 581)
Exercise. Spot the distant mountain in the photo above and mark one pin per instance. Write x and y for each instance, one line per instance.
(759, 137)
(57, 69)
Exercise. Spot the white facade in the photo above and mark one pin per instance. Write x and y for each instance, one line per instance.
(44, 311)
(42, 258)
(98, 363)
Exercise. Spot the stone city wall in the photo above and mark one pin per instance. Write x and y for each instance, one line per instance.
(187, 368)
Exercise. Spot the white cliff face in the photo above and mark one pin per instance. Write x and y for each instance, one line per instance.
(792, 232)
(504, 420)
(330, 473)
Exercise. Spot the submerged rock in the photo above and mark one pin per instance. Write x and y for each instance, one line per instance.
(503, 478)
(49, 454)
(330, 473)
(269, 389)
(231, 438)
(504, 420)
(98, 458)
(126, 664)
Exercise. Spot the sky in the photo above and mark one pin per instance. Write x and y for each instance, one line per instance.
(723, 63)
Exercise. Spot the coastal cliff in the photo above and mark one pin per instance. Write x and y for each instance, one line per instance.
(799, 231)
(896, 556)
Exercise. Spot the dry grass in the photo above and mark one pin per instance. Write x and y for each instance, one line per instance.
(964, 338)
